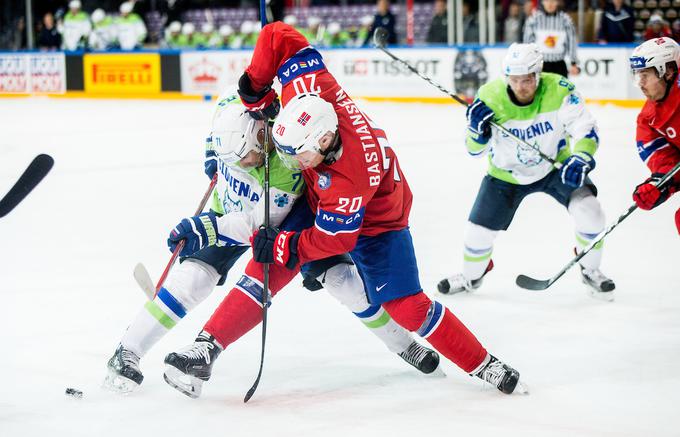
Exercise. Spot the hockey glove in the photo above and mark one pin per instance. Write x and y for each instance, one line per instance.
(479, 118)
(199, 232)
(261, 105)
(648, 196)
(575, 169)
(273, 247)
(210, 163)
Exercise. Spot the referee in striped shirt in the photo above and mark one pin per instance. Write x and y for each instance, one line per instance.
(553, 31)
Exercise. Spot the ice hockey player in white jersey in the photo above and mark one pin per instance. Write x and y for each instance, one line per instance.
(543, 109)
(76, 27)
(234, 150)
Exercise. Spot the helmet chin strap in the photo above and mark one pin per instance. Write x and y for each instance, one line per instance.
(334, 151)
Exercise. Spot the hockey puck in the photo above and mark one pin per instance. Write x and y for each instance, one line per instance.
(74, 393)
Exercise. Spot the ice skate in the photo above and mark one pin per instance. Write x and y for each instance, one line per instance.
(458, 283)
(123, 375)
(422, 358)
(187, 369)
(502, 376)
(600, 286)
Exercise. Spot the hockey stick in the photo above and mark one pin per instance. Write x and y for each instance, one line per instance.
(141, 274)
(538, 284)
(379, 39)
(265, 282)
(34, 173)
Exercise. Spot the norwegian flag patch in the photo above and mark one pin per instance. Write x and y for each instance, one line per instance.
(304, 118)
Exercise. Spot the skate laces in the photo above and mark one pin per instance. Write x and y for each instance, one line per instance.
(460, 281)
(494, 372)
(199, 350)
(414, 354)
(595, 275)
(129, 358)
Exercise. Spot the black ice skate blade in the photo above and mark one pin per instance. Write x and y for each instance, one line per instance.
(528, 283)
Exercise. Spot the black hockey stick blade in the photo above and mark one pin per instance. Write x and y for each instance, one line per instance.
(36, 171)
(380, 37)
(533, 284)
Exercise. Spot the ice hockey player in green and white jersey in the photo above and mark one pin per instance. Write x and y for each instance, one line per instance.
(545, 110)
(76, 27)
(235, 151)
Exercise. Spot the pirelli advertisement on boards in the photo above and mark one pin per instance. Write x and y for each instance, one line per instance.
(123, 73)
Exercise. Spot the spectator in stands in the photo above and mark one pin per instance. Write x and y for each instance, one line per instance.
(173, 35)
(512, 26)
(103, 34)
(186, 39)
(676, 30)
(528, 10)
(386, 19)
(470, 25)
(335, 36)
(438, 32)
(553, 31)
(76, 28)
(130, 27)
(49, 38)
(616, 24)
(656, 28)
(17, 36)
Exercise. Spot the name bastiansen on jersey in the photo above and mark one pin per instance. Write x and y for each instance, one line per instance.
(367, 141)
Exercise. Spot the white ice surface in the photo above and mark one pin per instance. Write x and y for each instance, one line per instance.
(127, 171)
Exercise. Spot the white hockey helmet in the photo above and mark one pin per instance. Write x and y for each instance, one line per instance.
(300, 125)
(246, 27)
(290, 20)
(188, 28)
(234, 132)
(226, 30)
(522, 59)
(207, 28)
(366, 20)
(74, 4)
(313, 21)
(97, 15)
(333, 28)
(655, 53)
(126, 7)
(175, 27)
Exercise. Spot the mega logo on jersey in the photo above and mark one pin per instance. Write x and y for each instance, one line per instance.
(305, 61)
(333, 223)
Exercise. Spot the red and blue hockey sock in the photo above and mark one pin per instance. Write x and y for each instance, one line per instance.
(241, 309)
(435, 323)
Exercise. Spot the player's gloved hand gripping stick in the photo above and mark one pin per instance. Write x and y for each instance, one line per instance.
(141, 274)
(379, 39)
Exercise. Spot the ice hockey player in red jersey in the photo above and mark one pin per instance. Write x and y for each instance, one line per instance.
(655, 64)
(360, 200)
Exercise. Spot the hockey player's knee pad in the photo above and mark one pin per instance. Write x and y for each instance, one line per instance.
(409, 311)
(191, 282)
(344, 283)
(586, 211)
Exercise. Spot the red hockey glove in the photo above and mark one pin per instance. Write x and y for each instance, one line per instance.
(273, 247)
(677, 220)
(261, 105)
(648, 196)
